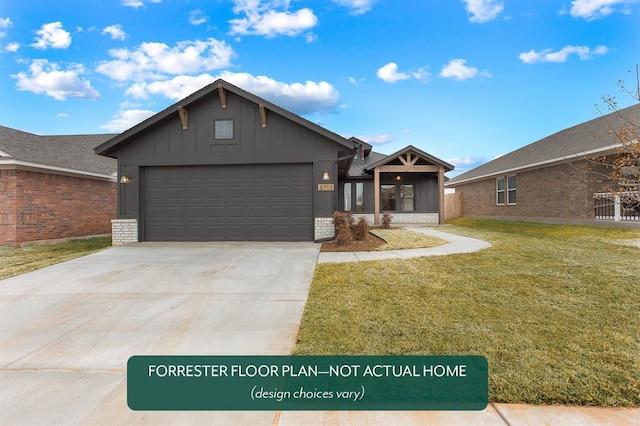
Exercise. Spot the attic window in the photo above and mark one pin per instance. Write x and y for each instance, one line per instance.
(223, 129)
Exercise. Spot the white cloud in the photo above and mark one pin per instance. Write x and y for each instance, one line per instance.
(126, 119)
(157, 60)
(197, 17)
(12, 47)
(483, 10)
(270, 18)
(376, 139)
(52, 35)
(4, 23)
(62, 115)
(115, 31)
(594, 9)
(358, 7)
(457, 69)
(390, 74)
(302, 98)
(49, 79)
(467, 162)
(560, 56)
(137, 3)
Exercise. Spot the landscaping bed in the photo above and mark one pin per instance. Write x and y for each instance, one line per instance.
(378, 239)
(554, 309)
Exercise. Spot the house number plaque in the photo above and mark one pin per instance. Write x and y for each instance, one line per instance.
(325, 187)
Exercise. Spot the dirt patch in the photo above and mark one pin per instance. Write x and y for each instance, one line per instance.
(370, 243)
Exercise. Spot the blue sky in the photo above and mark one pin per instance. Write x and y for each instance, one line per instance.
(465, 80)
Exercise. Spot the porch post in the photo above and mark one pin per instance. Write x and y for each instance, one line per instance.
(441, 195)
(376, 196)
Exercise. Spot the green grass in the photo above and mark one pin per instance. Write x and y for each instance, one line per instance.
(554, 309)
(16, 261)
(398, 239)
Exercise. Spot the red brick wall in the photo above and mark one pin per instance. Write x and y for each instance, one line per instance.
(7, 207)
(44, 206)
(561, 191)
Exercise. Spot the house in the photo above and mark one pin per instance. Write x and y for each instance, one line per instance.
(53, 187)
(553, 179)
(225, 164)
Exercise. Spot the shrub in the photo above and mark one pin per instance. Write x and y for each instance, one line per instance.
(342, 219)
(345, 236)
(361, 229)
(386, 220)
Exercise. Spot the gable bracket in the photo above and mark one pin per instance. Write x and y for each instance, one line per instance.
(412, 161)
(263, 115)
(223, 96)
(184, 117)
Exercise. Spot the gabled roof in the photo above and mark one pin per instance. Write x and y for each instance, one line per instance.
(61, 153)
(107, 148)
(434, 160)
(594, 137)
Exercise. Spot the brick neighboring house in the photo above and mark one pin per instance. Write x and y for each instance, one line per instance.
(550, 180)
(54, 187)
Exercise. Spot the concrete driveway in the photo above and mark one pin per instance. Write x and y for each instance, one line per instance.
(67, 331)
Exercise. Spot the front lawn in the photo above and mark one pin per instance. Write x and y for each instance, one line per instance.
(16, 261)
(554, 309)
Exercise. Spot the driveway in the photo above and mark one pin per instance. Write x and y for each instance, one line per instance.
(67, 331)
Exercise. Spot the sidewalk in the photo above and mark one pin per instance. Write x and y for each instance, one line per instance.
(457, 244)
(494, 414)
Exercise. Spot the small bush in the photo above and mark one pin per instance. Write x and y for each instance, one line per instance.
(342, 219)
(361, 229)
(344, 237)
(386, 220)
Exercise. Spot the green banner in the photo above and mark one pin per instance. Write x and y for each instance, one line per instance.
(307, 383)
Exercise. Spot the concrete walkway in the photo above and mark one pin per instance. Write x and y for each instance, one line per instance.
(456, 244)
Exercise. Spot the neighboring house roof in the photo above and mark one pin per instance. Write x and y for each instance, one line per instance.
(107, 148)
(68, 154)
(594, 137)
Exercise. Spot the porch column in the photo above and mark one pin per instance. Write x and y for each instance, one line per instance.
(376, 195)
(441, 195)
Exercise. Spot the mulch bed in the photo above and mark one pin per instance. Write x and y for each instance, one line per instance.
(370, 243)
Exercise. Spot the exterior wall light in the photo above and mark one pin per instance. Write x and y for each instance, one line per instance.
(125, 178)
(398, 177)
(325, 176)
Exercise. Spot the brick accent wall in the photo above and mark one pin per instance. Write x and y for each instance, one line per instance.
(324, 228)
(560, 191)
(40, 206)
(124, 231)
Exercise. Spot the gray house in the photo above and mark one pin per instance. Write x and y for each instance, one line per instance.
(224, 164)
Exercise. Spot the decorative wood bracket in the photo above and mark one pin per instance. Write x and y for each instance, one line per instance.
(263, 115)
(223, 96)
(184, 117)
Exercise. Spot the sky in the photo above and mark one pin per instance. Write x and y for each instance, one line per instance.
(464, 80)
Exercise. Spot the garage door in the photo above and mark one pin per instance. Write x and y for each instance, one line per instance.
(229, 203)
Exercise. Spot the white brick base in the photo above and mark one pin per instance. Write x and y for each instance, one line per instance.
(405, 218)
(124, 231)
(324, 228)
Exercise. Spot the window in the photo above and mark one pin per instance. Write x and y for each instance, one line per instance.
(352, 197)
(407, 198)
(506, 190)
(359, 196)
(388, 197)
(511, 189)
(223, 129)
(347, 196)
(500, 190)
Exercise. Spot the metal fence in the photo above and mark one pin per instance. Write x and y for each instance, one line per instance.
(619, 206)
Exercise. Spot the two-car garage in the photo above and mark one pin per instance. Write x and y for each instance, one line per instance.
(260, 202)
